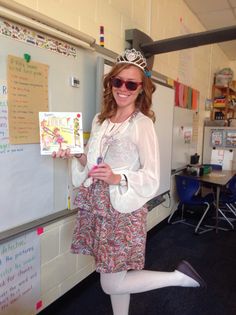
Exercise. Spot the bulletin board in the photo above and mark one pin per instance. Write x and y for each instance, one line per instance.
(35, 186)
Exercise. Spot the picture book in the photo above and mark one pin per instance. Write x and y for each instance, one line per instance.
(60, 130)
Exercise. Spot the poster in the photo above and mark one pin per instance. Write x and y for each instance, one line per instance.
(223, 158)
(228, 160)
(5, 147)
(195, 128)
(217, 156)
(217, 138)
(230, 138)
(187, 132)
(20, 275)
(185, 66)
(27, 84)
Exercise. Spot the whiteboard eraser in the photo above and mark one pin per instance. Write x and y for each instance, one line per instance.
(75, 82)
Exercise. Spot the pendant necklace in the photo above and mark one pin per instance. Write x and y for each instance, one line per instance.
(107, 138)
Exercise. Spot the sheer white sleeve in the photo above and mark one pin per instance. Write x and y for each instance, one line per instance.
(79, 173)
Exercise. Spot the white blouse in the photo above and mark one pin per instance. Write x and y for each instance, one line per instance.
(130, 148)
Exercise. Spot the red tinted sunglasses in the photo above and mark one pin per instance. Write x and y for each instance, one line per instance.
(130, 85)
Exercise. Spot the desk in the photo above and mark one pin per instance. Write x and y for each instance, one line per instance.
(218, 179)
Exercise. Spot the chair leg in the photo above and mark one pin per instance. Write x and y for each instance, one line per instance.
(177, 221)
(198, 228)
(200, 222)
(231, 208)
(171, 215)
(226, 219)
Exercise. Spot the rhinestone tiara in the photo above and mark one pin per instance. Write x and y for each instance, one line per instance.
(134, 57)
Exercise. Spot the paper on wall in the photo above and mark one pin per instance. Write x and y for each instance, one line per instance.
(223, 158)
(228, 160)
(217, 156)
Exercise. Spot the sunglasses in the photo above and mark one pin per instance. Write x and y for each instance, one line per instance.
(130, 85)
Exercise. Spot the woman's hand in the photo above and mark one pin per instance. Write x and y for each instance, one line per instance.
(103, 172)
(63, 154)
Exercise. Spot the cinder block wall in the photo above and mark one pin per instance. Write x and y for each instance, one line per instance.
(61, 270)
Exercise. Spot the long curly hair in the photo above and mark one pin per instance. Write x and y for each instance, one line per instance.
(143, 102)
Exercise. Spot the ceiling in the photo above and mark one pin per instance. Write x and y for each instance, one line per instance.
(215, 14)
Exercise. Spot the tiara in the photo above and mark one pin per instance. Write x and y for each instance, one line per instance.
(134, 57)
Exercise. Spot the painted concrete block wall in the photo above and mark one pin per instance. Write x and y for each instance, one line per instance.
(60, 269)
(160, 19)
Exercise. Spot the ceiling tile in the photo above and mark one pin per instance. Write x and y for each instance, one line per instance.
(229, 48)
(215, 14)
(203, 6)
(233, 3)
(217, 19)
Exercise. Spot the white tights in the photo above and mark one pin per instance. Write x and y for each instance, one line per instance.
(120, 285)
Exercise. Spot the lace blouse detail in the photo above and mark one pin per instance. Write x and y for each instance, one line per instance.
(121, 153)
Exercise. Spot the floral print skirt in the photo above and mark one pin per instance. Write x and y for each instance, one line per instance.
(116, 240)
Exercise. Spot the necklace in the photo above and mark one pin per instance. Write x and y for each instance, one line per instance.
(109, 134)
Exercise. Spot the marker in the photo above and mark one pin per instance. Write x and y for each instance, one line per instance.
(27, 57)
(69, 202)
(102, 36)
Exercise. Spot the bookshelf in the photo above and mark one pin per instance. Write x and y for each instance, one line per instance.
(223, 102)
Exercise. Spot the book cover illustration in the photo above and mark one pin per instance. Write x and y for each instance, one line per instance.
(60, 130)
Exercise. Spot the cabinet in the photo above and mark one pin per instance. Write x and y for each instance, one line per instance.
(223, 102)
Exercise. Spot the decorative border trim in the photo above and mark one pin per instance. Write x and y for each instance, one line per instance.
(34, 38)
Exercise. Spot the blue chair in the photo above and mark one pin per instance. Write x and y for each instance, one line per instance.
(189, 200)
(228, 198)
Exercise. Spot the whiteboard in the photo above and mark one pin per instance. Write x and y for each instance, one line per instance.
(182, 148)
(34, 186)
(163, 105)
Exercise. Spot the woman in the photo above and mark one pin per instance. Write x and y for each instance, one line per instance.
(117, 176)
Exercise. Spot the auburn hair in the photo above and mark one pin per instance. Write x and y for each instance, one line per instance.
(143, 102)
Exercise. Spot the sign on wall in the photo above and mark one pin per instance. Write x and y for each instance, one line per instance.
(20, 275)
